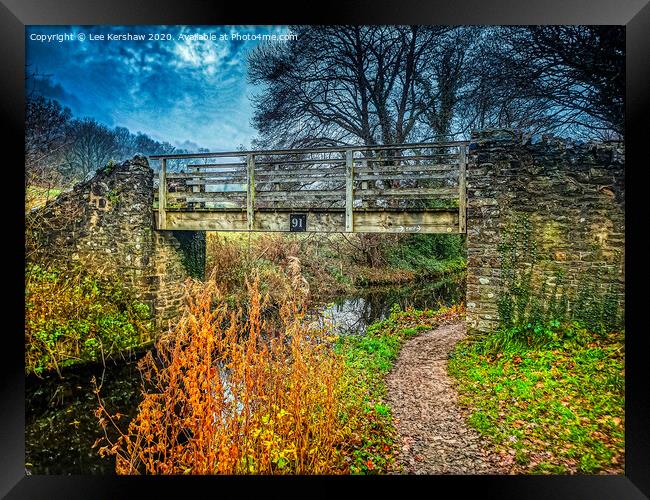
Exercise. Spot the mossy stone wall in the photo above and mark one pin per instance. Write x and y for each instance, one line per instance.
(106, 224)
(546, 218)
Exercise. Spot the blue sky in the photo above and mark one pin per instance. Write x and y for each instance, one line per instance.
(185, 91)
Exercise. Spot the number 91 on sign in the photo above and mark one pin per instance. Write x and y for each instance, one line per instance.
(297, 222)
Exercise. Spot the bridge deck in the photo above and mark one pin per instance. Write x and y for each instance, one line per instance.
(316, 220)
(405, 188)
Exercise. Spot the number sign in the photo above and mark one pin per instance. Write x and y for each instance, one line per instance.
(297, 222)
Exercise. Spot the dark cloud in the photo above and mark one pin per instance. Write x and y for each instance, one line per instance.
(43, 85)
(190, 146)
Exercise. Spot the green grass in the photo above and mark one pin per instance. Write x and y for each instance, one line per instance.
(368, 359)
(550, 398)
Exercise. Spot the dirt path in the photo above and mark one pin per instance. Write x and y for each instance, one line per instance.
(434, 436)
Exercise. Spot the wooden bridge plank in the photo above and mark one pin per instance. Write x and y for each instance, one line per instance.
(210, 175)
(462, 193)
(317, 150)
(301, 194)
(439, 221)
(401, 177)
(423, 193)
(207, 221)
(408, 168)
(349, 190)
(240, 177)
(207, 196)
(250, 190)
(397, 222)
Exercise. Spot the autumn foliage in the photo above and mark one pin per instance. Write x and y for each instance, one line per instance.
(227, 392)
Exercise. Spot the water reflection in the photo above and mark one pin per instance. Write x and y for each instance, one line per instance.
(60, 427)
(352, 315)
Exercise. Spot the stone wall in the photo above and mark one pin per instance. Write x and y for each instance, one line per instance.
(557, 206)
(548, 207)
(106, 225)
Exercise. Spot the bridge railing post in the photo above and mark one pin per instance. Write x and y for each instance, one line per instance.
(250, 190)
(462, 190)
(349, 190)
(197, 187)
(162, 195)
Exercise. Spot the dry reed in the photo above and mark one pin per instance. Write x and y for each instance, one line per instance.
(230, 393)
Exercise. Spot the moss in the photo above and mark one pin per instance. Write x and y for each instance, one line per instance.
(113, 196)
(536, 290)
(74, 317)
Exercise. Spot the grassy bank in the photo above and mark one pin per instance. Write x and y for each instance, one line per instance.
(367, 361)
(549, 398)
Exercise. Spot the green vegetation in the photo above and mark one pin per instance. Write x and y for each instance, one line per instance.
(113, 196)
(295, 399)
(367, 361)
(75, 317)
(429, 254)
(525, 298)
(37, 196)
(550, 397)
(331, 264)
(547, 388)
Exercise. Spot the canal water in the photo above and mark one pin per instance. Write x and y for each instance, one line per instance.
(60, 426)
(351, 315)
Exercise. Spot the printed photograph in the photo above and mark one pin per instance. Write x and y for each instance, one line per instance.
(324, 250)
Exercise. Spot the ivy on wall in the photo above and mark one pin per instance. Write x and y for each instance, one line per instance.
(193, 252)
(535, 290)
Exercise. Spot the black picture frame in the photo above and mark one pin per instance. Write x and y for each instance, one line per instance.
(16, 14)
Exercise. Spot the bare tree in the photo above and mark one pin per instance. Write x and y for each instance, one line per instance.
(348, 85)
(60, 150)
(394, 84)
(93, 145)
(566, 79)
(46, 122)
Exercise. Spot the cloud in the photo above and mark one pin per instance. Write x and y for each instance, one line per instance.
(190, 146)
(179, 91)
(43, 85)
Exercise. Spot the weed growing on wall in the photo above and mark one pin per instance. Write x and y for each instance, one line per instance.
(72, 317)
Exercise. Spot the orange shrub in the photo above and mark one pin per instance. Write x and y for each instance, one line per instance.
(231, 394)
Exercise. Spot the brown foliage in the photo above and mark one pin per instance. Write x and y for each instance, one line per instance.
(231, 393)
(275, 259)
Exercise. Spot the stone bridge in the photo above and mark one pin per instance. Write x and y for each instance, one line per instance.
(541, 212)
